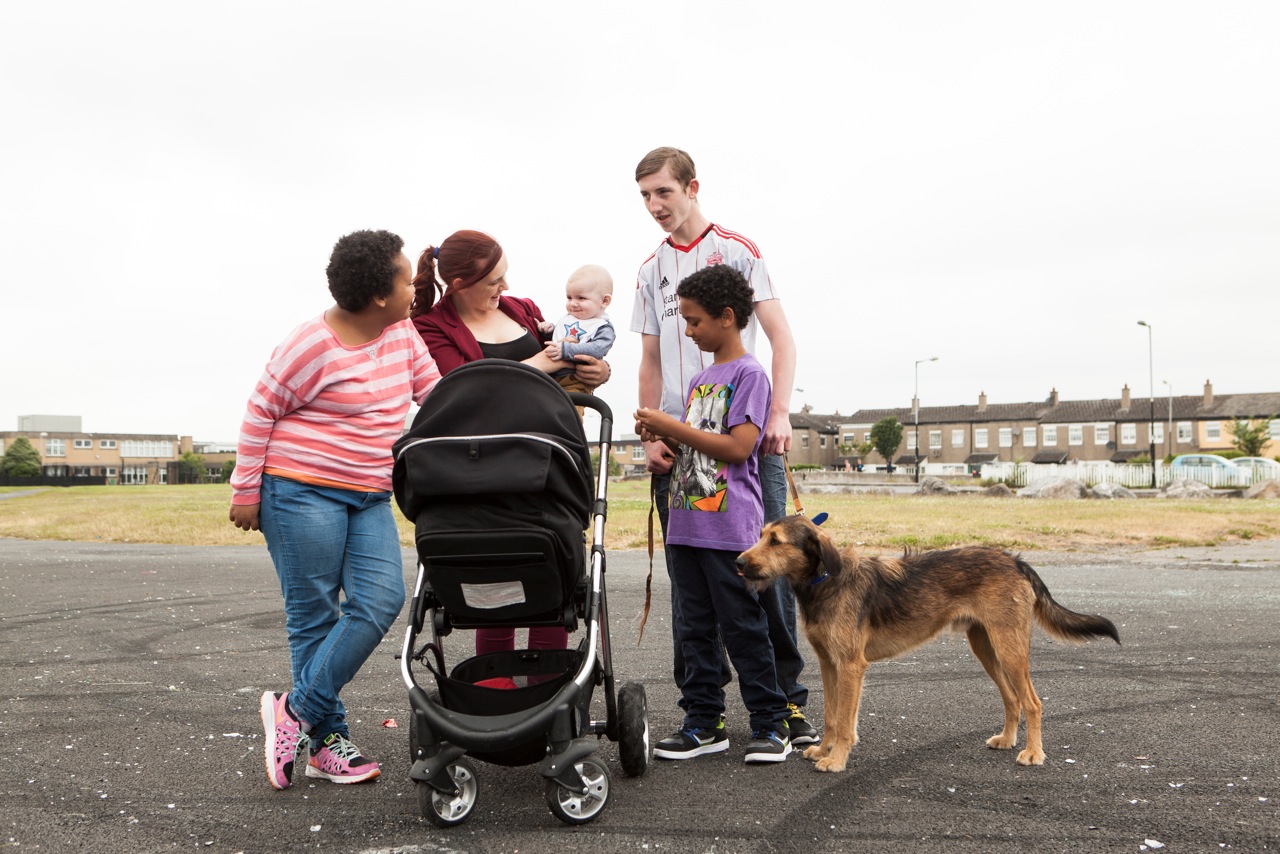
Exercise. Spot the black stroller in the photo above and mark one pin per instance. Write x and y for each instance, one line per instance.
(496, 474)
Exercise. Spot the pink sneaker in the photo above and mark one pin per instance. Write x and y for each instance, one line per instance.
(284, 738)
(339, 761)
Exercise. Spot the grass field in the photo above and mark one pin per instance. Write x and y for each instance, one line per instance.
(197, 515)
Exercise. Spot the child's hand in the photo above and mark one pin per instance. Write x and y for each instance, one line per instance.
(653, 425)
(545, 327)
(552, 351)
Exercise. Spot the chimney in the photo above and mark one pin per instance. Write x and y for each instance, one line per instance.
(806, 409)
(982, 401)
(1124, 398)
(1208, 394)
(1053, 397)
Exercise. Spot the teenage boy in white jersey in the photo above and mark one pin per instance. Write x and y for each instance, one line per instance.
(669, 186)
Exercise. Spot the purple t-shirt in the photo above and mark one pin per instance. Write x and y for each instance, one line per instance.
(717, 505)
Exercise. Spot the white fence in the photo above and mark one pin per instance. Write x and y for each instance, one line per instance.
(1131, 476)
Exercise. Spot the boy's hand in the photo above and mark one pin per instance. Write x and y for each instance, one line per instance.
(552, 350)
(546, 327)
(653, 425)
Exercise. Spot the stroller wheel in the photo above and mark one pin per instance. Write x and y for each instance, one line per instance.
(446, 810)
(633, 729)
(573, 807)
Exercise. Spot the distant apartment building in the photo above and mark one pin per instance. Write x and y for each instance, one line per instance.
(66, 451)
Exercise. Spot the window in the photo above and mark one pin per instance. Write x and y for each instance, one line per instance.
(1184, 431)
(980, 437)
(55, 447)
(1051, 435)
(1006, 437)
(804, 441)
(1101, 434)
(1128, 434)
(957, 438)
(134, 475)
(911, 441)
(1029, 437)
(1213, 431)
(847, 439)
(1273, 429)
(83, 443)
(111, 472)
(935, 440)
(822, 441)
(147, 448)
(637, 454)
(106, 443)
(1157, 432)
(1075, 434)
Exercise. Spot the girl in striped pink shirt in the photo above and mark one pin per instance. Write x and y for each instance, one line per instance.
(313, 473)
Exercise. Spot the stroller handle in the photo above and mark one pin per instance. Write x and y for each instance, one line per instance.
(590, 401)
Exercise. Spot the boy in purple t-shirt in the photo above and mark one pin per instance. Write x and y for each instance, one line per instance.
(716, 514)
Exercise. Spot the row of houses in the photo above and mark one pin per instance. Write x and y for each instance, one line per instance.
(965, 437)
(1048, 431)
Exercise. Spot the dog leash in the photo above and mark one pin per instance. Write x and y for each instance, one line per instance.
(795, 494)
(795, 497)
(648, 582)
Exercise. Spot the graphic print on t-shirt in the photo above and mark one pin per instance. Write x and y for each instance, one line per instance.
(700, 482)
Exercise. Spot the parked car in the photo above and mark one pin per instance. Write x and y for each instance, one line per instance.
(1210, 469)
(1262, 468)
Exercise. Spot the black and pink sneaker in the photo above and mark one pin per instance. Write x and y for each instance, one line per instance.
(284, 738)
(339, 761)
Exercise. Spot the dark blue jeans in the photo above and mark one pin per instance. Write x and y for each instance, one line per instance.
(711, 596)
(778, 602)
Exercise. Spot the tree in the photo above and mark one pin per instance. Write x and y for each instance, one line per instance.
(1250, 437)
(228, 468)
(191, 468)
(886, 436)
(20, 460)
(614, 468)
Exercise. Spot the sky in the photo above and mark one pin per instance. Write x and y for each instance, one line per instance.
(1007, 186)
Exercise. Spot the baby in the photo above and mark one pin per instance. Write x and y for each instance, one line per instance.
(586, 329)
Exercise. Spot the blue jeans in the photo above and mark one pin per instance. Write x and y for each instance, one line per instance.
(329, 543)
(712, 596)
(779, 601)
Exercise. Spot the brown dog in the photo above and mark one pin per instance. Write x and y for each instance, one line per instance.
(862, 609)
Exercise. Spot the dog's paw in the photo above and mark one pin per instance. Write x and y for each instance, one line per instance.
(816, 752)
(1000, 741)
(831, 764)
(1031, 757)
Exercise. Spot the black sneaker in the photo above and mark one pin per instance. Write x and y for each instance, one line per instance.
(692, 741)
(769, 745)
(802, 732)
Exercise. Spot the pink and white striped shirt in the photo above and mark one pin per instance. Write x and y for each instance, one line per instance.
(329, 413)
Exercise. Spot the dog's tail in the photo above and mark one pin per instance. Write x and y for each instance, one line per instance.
(1063, 623)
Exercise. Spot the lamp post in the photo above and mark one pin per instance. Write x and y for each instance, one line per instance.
(915, 401)
(1168, 436)
(1151, 424)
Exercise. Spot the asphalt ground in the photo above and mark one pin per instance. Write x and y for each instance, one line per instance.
(131, 678)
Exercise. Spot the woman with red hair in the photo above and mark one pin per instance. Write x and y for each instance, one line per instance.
(463, 314)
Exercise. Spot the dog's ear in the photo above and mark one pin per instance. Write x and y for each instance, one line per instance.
(831, 562)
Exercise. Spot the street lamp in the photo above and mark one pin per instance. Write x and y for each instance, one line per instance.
(1151, 401)
(1168, 437)
(915, 401)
